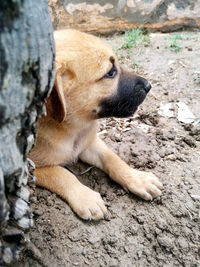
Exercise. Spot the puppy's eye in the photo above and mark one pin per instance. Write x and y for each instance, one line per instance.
(112, 73)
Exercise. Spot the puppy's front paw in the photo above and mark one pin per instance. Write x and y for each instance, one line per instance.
(87, 203)
(144, 184)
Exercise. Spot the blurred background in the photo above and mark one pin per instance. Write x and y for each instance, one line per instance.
(118, 15)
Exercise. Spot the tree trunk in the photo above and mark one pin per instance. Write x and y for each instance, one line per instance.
(26, 77)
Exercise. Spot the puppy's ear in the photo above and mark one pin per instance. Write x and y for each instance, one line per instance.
(56, 102)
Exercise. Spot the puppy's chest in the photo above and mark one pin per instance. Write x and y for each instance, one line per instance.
(69, 148)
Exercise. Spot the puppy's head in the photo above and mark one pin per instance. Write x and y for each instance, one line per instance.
(89, 81)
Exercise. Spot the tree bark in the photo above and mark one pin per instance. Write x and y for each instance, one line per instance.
(26, 77)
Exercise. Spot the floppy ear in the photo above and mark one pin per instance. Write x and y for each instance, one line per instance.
(55, 103)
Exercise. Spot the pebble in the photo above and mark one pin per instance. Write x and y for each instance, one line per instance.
(33, 250)
(183, 243)
(196, 197)
(113, 262)
(189, 141)
(166, 242)
(38, 212)
(171, 157)
(94, 239)
(162, 223)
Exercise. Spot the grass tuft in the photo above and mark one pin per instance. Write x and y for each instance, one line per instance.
(135, 66)
(136, 38)
(175, 44)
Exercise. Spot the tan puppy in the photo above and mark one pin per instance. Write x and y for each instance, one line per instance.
(89, 84)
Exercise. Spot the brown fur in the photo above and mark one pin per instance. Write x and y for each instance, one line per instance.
(68, 131)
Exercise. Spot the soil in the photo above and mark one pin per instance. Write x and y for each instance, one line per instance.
(164, 232)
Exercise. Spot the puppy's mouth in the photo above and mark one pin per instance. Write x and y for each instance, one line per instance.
(131, 92)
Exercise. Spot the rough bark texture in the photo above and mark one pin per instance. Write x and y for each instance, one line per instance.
(26, 76)
(106, 17)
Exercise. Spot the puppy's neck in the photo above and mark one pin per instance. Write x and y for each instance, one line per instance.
(68, 126)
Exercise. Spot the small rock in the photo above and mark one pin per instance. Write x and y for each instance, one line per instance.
(144, 127)
(184, 113)
(162, 224)
(171, 134)
(158, 231)
(166, 242)
(171, 157)
(195, 132)
(94, 239)
(133, 229)
(140, 220)
(33, 250)
(166, 110)
(113, 262)
(38, 212)
(139, 253)
(183, 243)
(189, 141)
(196, 197)
(34, 199)
(74, 236)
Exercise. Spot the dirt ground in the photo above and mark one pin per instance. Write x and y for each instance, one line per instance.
(166, 231)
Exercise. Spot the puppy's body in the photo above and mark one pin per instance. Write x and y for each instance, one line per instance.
(89, 85)
(59, 144)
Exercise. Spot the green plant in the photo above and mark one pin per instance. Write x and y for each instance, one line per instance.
(197, 78)
(120, 57)
(188, 36)
(136, 38)
(175, 45)
(135, 65)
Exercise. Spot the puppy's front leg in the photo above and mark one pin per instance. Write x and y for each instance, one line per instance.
(87, 203)
(144, 184)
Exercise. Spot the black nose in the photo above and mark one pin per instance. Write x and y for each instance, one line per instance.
(143, 84)
(147, 86)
